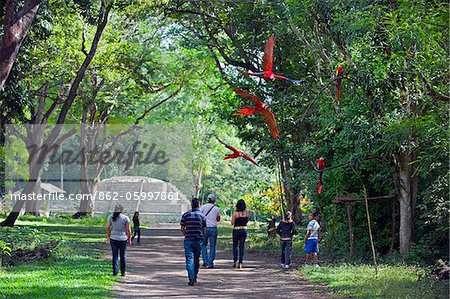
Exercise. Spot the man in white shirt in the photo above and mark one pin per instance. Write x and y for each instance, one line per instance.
(212, 215)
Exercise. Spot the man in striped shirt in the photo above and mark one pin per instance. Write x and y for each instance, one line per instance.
(193, 225)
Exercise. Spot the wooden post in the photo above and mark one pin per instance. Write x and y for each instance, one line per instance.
(366, 202)
(370, 233)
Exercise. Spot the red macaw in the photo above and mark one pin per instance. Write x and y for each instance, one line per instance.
(261, 108)
(267, 65)
(339, 73)
(236, 153)
(320, 167)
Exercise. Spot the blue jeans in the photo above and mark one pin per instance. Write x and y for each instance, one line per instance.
(286, 249)
(211, 235)
(118, 246)
(137, 231)
(192, 249)
(239, 236)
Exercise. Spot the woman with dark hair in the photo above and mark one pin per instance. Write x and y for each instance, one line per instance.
(239, 222)
(286, 229)
(136, 228)
(118, 234)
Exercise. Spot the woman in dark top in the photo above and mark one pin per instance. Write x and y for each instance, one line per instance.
(136, 228)
(286, 229)
(239, 222)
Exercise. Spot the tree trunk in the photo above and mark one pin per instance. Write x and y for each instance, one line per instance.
(85, 203)
(67, 104)
(32, 206)
(404, 198)
(291, 194)
(393, 225)
(33, 185)
(295, 206)
(13, 215)
(348, 209)
(408, 186)
(414, 189)
(37, 153)
(15, 29)
(198, 182)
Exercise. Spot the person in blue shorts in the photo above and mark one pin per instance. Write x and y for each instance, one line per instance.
(312, 240)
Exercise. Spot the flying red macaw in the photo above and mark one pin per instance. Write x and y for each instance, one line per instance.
(267, 65)
(320, 167)
(236, 153)
(261, 108)
(339, 73)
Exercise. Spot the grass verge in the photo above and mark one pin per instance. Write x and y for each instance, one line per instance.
(347, 280)
(359, 281)
(75, 268)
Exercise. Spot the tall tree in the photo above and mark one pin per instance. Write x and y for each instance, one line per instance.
(389, 58)
(40, 116)
(17, 20)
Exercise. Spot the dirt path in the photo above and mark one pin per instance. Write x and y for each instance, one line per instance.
(157, 269)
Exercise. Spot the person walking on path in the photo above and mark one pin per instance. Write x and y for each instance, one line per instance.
(118, 234)
(312, 240)
(286, 229)
(239, 221)
(192, 227)
(136, 228)
(212, 215)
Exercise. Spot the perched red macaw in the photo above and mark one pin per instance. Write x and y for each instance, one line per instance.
(267, 65)
(320, 167)
(236, 153)
(261, 108)
(339, 73)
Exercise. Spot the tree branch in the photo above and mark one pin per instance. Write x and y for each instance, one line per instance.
(228, 59)
(63, 138)
(433, 93)
(18, 134)
(26, 8)
(219, 67)
(328, 168)
(40, 110)
(156, 105)
(83, 41)
(320, 92)
(102, 21)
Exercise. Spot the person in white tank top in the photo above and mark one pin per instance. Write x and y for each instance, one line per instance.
(212, 215)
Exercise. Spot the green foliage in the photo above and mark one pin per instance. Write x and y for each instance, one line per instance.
(4, 249)
(393, 98)
(389, 50)
(24, 238)
(266, 203)
(64, 219)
